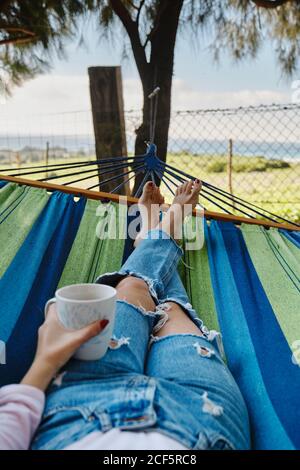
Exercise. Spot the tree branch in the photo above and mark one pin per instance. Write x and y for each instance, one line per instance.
(133, 5)
(16, 29)
(4, 4)
(139, 12)
(17, 40)
(156, 24)
(270, 3)
(133, 32)
(123, 14)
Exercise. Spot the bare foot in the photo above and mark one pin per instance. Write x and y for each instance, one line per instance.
(149, 207)
(185, 200)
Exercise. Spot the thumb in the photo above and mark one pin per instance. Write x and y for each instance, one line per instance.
(91, 330)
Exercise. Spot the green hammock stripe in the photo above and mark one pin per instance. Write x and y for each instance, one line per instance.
(91, 256)
(277, 264)
(291, 248)
(195, 274)
(5, 192)
(19, 209)
(10, 195)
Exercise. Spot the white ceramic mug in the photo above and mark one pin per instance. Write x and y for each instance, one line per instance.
(81, 304)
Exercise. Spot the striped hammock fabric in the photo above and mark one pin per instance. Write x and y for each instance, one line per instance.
(245, 281)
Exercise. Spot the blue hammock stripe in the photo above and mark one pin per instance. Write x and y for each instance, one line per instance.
(271, 347)
(292, 236)
(32, 278)
(267, 430)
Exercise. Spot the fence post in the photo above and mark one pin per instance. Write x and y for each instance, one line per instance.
(18, 161)
(230, 155)
(108, 117)
(47, 158)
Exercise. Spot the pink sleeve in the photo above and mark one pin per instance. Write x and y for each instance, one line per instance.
(21, 408)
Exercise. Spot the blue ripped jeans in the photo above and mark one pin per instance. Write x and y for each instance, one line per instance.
(177, 385)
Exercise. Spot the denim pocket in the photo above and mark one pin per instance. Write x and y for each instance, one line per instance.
(72, 412)
(58, 430)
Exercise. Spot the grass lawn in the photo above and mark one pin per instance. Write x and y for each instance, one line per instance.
(273, 185)
(274, 189)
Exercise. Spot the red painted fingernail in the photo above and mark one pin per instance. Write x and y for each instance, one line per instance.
(103, 323)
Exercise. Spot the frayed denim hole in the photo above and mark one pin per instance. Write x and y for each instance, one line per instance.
(116, 343)
(186, 307)
(210, 406)
(203, 351)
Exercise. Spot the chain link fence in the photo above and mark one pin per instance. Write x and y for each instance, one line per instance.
(253, 152)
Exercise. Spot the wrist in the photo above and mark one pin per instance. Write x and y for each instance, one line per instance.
(40, 374)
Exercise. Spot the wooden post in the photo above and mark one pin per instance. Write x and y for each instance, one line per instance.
(230, 155)
(108, 118)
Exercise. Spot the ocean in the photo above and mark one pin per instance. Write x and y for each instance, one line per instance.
(289, 151)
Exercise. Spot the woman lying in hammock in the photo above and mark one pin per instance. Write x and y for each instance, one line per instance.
(161, 385)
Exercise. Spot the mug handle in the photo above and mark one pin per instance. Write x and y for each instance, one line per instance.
(49, 302)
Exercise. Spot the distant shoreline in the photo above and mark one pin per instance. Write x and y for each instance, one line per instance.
(64, 146)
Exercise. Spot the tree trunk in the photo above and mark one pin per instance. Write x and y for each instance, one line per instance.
(159, 73)
(109, 125)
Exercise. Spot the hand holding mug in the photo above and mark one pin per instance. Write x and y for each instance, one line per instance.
(56, 345)
(78, 305)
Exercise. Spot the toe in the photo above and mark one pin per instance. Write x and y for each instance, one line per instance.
(189, 186)
(156, 194)
(149, 187)
(178, 190)
(184, 186)
(147, 193)
(197, 185)
(148, 190)
(160, 197)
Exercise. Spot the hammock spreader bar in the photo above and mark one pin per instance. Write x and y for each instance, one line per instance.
(150, 167)
(104, 196)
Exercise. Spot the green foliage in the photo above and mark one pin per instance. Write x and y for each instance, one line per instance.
(290, 213)
(32, 31)
(245, 164)
(250, 164)
(217, 166)
(276, 189)
(242, 29)
(277, 164)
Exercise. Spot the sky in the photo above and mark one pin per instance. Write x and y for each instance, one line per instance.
(198, 82)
